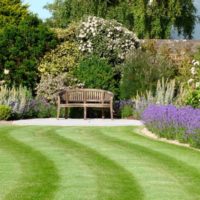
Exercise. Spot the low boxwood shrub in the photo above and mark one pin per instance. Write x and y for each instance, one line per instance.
(127, 111)
(43, 109)
(5, 112)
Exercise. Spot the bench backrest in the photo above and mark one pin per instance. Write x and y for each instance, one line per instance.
(86, 96)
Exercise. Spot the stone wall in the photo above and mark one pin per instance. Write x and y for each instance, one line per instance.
(177, 49)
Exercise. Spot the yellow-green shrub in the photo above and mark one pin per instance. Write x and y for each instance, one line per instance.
(60, 60)
(67, 34)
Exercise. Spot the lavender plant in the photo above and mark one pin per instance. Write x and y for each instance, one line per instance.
(19, 99)
(164, 95)
(172, 122)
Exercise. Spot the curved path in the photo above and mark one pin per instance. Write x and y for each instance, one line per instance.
(94, 163)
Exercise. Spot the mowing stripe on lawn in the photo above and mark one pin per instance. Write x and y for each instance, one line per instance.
(171, 172)
(77, 179)
(187, 155)
(114, 182)
(9, 172)
(188, 176)
(38, 174)
(95, 163)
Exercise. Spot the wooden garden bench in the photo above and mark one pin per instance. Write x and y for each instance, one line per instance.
(85, 98)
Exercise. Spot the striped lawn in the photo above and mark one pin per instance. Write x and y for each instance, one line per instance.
(94, 163)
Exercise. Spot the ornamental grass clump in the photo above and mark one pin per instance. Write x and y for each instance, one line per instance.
(171, 122)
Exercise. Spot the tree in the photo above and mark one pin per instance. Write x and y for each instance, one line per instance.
(66, 11)
(21, 47)
(12, 12)
(156, 18)
(150, 18)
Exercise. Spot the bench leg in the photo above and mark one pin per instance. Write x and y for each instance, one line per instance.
(103, 116)
(111, 112)
(58, 112)
(85, 113)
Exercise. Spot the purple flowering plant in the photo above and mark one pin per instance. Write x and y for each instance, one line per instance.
(172, 122)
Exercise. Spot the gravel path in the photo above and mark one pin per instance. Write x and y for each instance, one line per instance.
(79, 122)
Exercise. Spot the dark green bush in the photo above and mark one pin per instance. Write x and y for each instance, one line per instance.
(141, 71)
(95, 72)
(5, 112)
(21, 47)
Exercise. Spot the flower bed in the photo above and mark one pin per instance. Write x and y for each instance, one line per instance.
(171, 122)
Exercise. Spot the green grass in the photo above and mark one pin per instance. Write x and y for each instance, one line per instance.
(94, 163)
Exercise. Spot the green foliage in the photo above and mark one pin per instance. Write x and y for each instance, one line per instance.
(193, 98)
(106, 38)
(21, 46)
(141, 71)
(127, 111)
(150, 19)
(44, 109)
(155, 20)
(194, 140)
(19, 99)
(67, 11)
(95, 72)
(192, 83)
(5, 112)
(12, 12)
(56, 69)
(67, 34)
(60, 60)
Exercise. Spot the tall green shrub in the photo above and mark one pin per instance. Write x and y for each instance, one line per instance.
(95, 72)
(141, 71)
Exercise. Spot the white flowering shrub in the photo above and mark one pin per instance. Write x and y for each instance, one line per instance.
(194, 81)
(193, 98)
(106, 38)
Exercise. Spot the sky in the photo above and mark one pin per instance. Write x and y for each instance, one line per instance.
(197, 28)
(36, 6)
